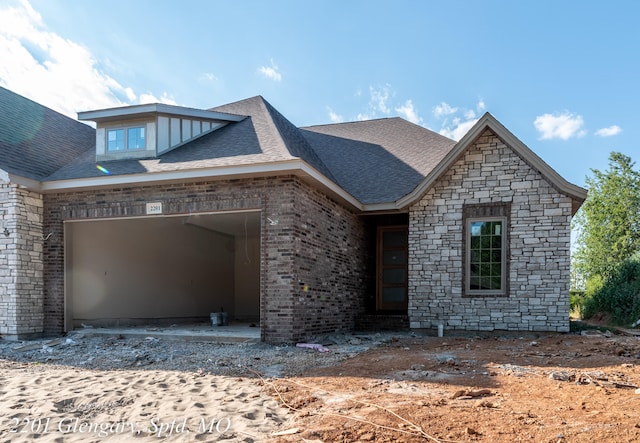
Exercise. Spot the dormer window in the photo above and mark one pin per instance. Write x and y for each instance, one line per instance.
(126, 139)
(148, 131)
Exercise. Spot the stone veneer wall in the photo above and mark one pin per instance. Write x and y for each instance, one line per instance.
(539, 243)
(316, 242)
(21, 267)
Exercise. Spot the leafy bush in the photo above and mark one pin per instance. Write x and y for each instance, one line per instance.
(576, 301)
(590, 302)
(619, 295)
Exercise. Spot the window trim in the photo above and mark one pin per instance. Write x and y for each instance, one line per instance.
(126, 130)
(486, 213)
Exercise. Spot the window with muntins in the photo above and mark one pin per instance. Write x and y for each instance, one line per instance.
(126, 139)
(486, 258)
(486, 261)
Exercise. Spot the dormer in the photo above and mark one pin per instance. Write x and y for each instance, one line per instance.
(147, 131)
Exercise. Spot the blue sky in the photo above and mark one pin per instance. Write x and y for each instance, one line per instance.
(563, 76)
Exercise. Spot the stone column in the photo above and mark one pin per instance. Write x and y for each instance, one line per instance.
(21, 262)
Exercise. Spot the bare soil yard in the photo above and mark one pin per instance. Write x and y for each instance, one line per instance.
(552, 388)
(543, 388)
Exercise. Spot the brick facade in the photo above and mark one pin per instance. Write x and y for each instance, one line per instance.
(330, 262)
(489, 172)
(21, 277)
(317, 253)
(312, 259)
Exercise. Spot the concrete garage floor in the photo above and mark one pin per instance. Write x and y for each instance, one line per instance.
(233, 333)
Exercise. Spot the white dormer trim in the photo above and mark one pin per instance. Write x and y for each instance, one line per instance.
(137, 111)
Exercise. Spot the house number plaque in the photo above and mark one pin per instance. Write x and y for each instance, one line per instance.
(154, 208)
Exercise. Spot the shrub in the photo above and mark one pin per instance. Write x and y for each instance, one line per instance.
(576, 301)
(619, 295)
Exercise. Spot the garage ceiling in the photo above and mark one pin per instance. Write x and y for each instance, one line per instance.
(233, 223)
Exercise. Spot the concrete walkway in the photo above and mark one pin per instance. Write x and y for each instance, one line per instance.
(233, 333)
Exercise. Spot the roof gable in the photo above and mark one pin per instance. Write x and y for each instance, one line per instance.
(488, 121)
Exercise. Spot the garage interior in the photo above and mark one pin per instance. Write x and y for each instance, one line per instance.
(162, 270)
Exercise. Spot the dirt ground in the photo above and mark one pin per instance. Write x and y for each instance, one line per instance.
(378, 387)
(552, 388)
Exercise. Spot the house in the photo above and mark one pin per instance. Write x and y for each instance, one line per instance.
(167, 213)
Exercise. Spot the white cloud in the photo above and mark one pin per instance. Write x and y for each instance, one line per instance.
(444, 109)
(380, 97)
(52, 70)
(559, 125)
(209, 77)
(131, 96)
(409, 112)
(335, 118)
(457, 121)
(457, 128)
(608, 132)
(150, 98)
(379, 102)
(271, 72)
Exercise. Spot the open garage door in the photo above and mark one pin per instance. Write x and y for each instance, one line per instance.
(162, 270)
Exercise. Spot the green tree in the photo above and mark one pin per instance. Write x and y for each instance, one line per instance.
(608, 222)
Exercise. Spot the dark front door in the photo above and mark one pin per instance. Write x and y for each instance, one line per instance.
(392, 252)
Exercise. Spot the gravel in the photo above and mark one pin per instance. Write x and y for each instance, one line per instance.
(103, 352)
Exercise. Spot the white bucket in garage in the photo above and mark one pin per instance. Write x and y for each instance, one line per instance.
(219, 318)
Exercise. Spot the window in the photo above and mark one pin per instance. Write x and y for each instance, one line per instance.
(486, 263)
(115, 140)
(135, 138)
(122, 139)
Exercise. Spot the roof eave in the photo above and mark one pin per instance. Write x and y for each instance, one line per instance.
(25, 182)
(155, 108)
(384, 207)
(294, 167)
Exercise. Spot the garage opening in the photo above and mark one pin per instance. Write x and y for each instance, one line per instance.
(162, 270)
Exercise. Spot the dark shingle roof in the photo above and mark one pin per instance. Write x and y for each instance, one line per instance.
(278, 129)
(264, 136)
(35, 140)
(378, 161)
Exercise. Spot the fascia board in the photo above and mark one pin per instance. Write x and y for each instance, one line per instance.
(490, 122)
(530, 157)
(4, 176)
(169, 176)
(25, 182)
(156, 108)
(294, 167)
(391, 207)
(330, 185)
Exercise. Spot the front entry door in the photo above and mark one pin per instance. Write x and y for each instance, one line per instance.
(392, 252)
